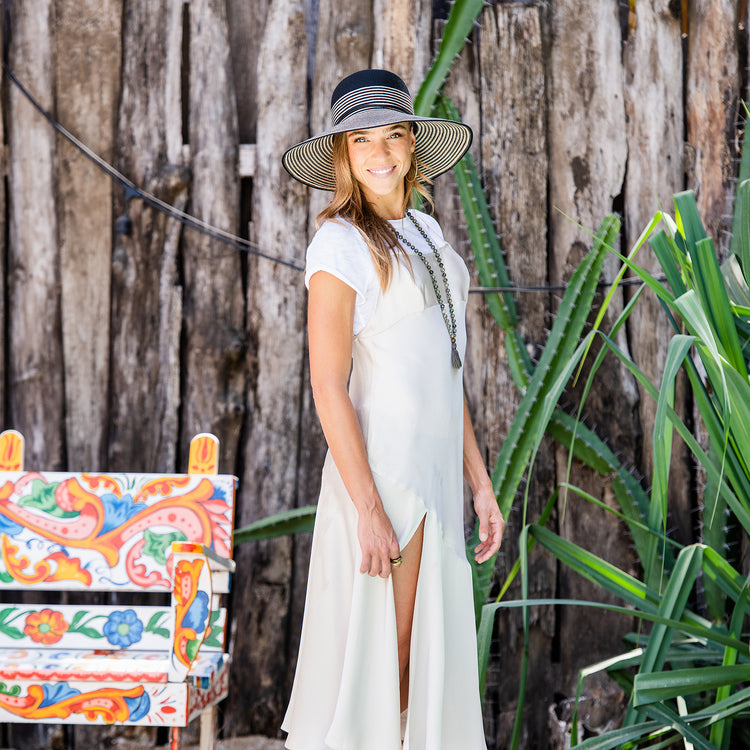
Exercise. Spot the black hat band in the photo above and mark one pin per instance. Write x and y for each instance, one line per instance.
(370, 97)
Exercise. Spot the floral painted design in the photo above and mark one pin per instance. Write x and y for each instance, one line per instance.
(46, 626)
(197, 613)
(123, 628)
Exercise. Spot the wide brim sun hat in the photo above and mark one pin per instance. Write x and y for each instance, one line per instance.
(373, 99)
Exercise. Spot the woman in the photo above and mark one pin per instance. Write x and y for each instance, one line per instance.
(389, 623)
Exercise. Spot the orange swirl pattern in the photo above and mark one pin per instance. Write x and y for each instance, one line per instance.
(187, 575)
(106, 703)
(196, 513)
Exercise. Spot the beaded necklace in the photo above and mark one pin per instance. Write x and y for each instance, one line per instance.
(450, 322)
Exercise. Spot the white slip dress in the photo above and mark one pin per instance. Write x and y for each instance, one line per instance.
(409, 401)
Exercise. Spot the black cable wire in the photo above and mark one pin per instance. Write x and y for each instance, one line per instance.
(134, 191)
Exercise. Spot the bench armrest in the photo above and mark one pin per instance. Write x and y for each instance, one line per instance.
(199, 574)
(216, 560)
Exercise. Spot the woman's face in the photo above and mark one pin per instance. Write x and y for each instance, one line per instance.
(380, 159)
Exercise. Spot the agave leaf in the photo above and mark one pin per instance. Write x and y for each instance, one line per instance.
(527, 428)
(659, 686)
(461, 20)
(294, 521)
(660, 711)
(488, 255)
(741, 228)
(688, 218)
(740, 244)
(618, 738)
(691, 624)
(712, 292)
(722, 731)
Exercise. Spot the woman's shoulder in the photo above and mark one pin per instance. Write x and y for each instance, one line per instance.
(336, 230)
(337, 247)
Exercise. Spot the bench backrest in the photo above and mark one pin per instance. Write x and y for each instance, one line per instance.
(109, 532)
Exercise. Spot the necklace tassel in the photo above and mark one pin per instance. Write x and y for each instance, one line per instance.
(455, 357)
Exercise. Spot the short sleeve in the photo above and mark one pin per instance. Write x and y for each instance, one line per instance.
(339, 249)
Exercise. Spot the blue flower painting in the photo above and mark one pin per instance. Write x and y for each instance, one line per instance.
(123, 628)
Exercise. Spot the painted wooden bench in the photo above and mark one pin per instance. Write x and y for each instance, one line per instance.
(158, 665)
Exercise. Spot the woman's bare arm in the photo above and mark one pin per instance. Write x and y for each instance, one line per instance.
(330, 321)
(491, 522)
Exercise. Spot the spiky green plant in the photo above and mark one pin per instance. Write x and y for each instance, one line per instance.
(690, 672)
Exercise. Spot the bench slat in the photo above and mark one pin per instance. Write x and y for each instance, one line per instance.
(107, 532)
(102, 627)
(82, 702)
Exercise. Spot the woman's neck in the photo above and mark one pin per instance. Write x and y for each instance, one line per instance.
(387, 207)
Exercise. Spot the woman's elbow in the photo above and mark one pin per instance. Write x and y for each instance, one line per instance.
(327, 392)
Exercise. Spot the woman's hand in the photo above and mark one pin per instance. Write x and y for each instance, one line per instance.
(491, 521)
(378, 542)
(491, 524)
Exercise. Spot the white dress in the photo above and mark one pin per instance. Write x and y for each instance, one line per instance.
(409, 400)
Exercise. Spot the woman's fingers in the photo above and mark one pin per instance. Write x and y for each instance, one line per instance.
(491, 527)
(377, 559)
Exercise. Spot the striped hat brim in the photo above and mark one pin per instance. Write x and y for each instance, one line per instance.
(440, 144)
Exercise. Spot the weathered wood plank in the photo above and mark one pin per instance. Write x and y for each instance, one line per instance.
(247, 22)
(588, 152)
(146, 297)
(35, 362)
(713, 93)
(34, 368)
(343, 45)
(86, 30)
(654, 106)
(515, 167)
(214, 344)
(275, 325)
(401, 38)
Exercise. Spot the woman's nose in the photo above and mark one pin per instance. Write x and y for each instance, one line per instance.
(382, 147)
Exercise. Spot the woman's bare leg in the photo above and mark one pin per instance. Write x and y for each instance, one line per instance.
(404, 592)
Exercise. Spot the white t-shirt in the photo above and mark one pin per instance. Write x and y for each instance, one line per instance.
(339, 249)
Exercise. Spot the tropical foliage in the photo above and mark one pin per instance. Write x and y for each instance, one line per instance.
(687, 678)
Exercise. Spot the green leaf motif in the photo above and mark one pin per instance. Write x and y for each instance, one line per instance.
(43, 498)
(154, 625)
(90, 632)
(13, 690)
(6, 618)
(192, 649)
(84, 628)
(212, 639)
(157, 545)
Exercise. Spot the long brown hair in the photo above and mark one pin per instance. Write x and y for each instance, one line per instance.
(349, 203)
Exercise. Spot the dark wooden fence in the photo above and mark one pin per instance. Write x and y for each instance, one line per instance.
(119, 347)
